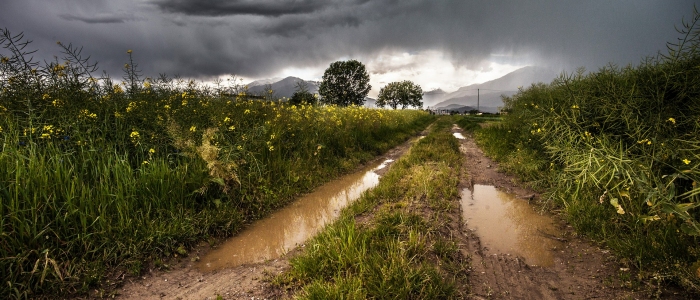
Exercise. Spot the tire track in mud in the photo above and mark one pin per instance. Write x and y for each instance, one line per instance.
(250, 281)
(581, 269)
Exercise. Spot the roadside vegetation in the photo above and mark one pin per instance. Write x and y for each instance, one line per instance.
(618, 151)
(99, 174)
(345, 83)
(404, 93)
(393, 242)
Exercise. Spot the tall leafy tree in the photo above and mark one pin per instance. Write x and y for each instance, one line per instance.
(404, 93)
(345, 83)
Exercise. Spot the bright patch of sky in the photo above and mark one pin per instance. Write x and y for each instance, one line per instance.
(431, 70)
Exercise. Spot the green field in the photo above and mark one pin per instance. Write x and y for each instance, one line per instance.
(101, 174)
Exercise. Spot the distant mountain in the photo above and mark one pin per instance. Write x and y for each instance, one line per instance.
(489, 93)
(465, 108)
(282, 88)
(287, 86)
(263, 81)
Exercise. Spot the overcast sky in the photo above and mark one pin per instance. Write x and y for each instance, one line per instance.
(435, 43)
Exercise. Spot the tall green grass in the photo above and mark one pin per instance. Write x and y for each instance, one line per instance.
(98, 174)
(618, 150)
(402, 250)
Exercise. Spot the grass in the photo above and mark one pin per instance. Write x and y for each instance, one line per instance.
(101, 175)
(617, 150)
(402, 249)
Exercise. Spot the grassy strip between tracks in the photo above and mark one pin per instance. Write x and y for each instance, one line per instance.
(393, 243)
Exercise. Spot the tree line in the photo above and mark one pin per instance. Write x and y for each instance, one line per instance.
(347, 83)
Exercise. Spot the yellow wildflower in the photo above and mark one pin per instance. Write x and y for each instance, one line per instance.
(193, 128)
(128, 51)
(227, 119)
(134, 135)
(151, 151)
(686, 161)
(131, 107)
(672, 120)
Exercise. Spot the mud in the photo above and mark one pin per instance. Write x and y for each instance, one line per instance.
(291, 226)
(249, 278)
(580, 269)
(507, 225)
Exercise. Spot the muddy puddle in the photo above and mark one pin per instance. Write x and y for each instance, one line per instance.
(291, 226)
(508, 225)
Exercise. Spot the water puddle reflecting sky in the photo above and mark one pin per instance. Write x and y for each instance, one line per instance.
(290, 226)
(458, 135)
(508, 225)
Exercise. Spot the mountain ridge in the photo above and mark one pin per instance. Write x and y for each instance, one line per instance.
(488, 94)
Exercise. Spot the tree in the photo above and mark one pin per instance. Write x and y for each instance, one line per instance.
(404, 93)
(345, 83)
(302, 95)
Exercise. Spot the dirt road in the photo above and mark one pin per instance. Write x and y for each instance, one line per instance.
(581, 269)
(183, 280)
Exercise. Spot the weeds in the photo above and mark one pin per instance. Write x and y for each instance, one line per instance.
(396, 254)
(618, 150)
(99, 174)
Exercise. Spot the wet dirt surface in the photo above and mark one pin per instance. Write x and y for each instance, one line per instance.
(507, 225)
(579, 269)
(231, 278)
(292, 225)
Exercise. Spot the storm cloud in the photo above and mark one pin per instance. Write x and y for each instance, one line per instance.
(259, 39)
(96, 19)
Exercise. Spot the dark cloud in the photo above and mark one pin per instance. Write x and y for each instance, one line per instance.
(106, 19)
(259, 38)
(272, 8)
